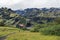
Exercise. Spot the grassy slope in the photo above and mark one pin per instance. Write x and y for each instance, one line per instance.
(25, 35)
(7, 30)
(31, 36)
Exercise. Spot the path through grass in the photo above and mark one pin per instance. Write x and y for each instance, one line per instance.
(31, 36)
(25, 35)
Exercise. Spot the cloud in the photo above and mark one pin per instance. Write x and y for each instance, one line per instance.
(22, 4)
(9, 2)
(28, 4)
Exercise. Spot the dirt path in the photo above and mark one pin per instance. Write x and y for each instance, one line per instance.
(5, 36)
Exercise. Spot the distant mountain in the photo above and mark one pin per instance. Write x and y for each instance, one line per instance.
(31, 12)
(21, 12)
(38, 15)
(30, 15)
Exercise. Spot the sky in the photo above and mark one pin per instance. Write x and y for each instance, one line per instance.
(22, 4)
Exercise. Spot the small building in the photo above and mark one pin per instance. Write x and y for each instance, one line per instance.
(20, 25)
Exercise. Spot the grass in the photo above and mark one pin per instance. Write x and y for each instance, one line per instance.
(31, 36)
(7, 30)
(25, 35)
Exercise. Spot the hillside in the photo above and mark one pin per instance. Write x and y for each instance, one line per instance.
(40, 14)
(24, 35)
(8, 17)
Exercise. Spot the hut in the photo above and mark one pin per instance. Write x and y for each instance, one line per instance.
(20, 25)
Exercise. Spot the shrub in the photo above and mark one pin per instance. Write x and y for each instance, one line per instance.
(57, 20)
(51, 30)
(37, 27)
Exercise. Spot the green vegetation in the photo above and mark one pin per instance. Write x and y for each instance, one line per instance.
(37, 27)
(8, 17)
(7, 30)
(51, 30)
(47, 29)
(31, 36)
(42, 26)
(25, 35)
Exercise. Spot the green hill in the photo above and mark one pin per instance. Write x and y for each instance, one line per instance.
(9, 18)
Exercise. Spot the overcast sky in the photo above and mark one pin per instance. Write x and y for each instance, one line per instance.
(22, 4)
